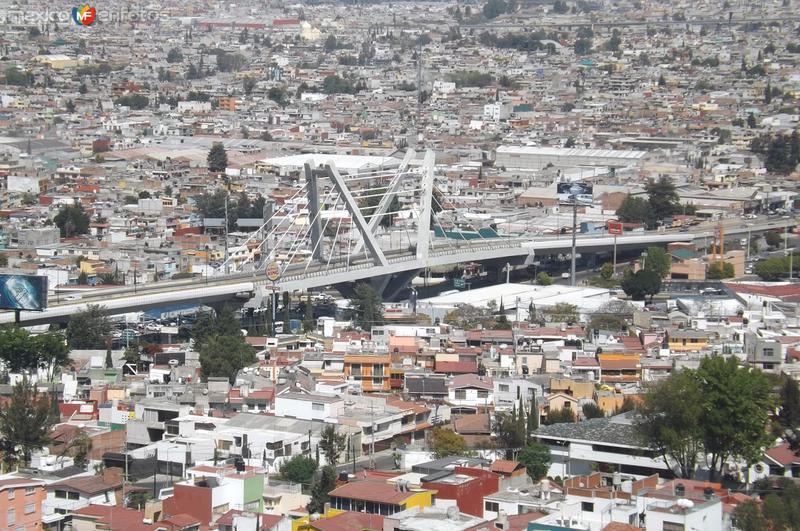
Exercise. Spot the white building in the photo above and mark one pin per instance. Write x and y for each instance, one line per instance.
(309, 406)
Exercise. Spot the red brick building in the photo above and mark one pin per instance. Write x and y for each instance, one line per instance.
(467, 486)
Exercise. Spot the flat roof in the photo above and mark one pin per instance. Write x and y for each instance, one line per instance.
(572, 152)
(346, 162)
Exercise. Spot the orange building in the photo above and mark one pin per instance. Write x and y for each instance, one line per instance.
(227, 104)
(371, 371)
(619, 367)
(21, 503)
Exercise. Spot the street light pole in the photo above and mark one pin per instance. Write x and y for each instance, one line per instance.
(574, 197)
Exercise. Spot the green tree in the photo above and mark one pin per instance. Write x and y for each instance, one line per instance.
(603, 321)
(563, 312)
(751, 121)
(367, 307)
(670, 421)
(494, 8)
(543, 279)
(299, 469)
(536, 458)
(788, 419)
(174, 55)
(583, 46)
(332, 444)
(636, 210)
(447, 442)
(772, 269)
(658, 261)
(72, 220)
(136, 102)
(466, 316)
(212, 204)
(607, 271)
(720, 270)
(558, 416)
(592, 411)
(3, 260)
(330, 43)
(773, 239)
(641, 284)
(747, 516)
(20, 78)
(248, 84)
(319, 491)
(662, 198)
(89, 329)
(278, 95)
(209, 324)
(510, 432)
(217, 158)
(25, 422)
(309, 323)
(737, 404)
(225, 355)
(52, 353)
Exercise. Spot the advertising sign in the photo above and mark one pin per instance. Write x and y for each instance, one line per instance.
(273, 271)
(614, 227)
(23, 292)
(572, 192)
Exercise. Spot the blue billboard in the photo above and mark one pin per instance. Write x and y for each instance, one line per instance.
(23, 292)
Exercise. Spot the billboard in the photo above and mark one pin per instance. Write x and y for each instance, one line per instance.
(570, 192)
(614, 227)
(23, 292)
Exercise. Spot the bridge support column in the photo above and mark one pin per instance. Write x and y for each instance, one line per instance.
(358, 218)
(425, 210)
(313, 211)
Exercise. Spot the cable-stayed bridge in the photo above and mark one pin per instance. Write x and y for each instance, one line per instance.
(384, 226)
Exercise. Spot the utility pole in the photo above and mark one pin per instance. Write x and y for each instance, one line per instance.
(419, 85)
(227, 193)
(786, 248)
(574, 230)
(372, 435)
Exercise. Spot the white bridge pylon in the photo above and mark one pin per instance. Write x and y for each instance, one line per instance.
(336, 224)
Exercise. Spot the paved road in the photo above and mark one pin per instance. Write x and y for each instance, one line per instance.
(384, 460)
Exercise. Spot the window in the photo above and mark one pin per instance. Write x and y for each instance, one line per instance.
(672, 526)
(10, 494)
(377, 381)
(483, 393)
(29, 490)
(377, 369)
(30, 508)
(10, 517)
(768, 352)
(461, 394)
(503, 388)
(61, 494)
(587, 507)
(317, 406)
(73, 496)
(491, 506)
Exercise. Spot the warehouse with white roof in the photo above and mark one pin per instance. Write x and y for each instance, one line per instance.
(537, 158)
(516, 299)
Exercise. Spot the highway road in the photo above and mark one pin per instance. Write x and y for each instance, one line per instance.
(302, 276)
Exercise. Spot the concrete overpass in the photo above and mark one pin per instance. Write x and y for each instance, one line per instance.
(400, 266)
